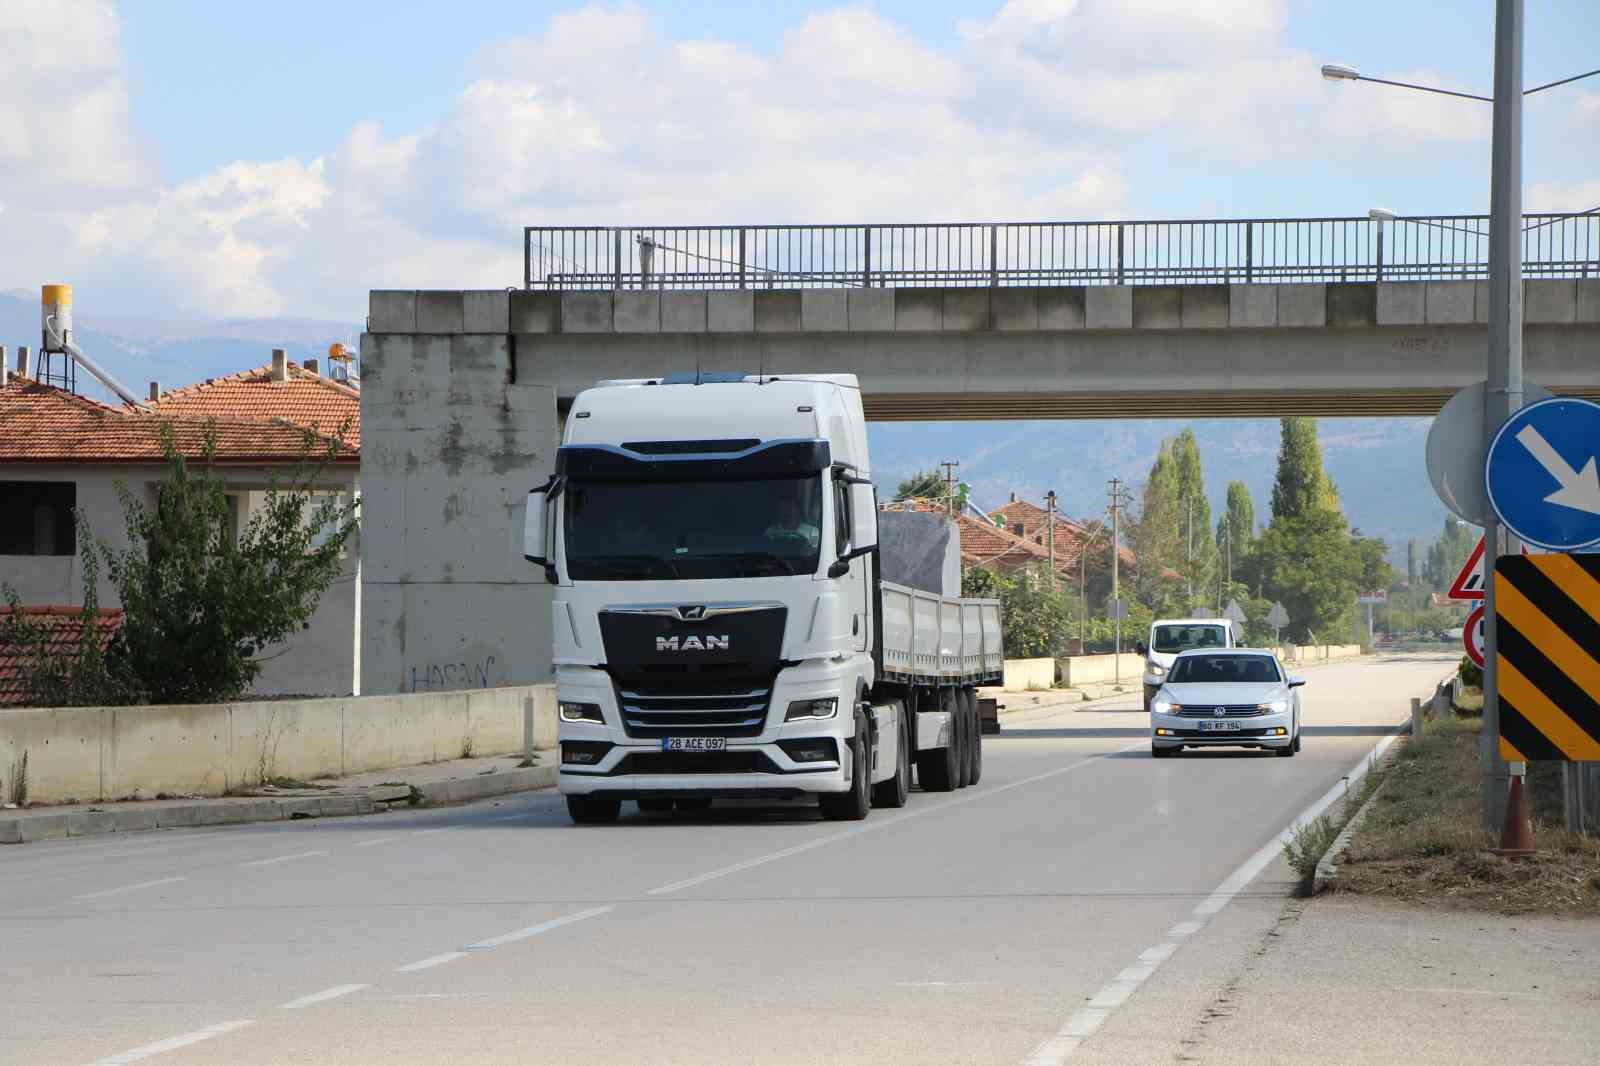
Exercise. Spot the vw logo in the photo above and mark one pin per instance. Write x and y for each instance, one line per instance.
(1219, 712)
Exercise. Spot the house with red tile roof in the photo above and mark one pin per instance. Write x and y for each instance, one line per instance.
(63, 455)
(64, 633)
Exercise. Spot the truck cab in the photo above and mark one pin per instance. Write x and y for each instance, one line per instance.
(1170, 637)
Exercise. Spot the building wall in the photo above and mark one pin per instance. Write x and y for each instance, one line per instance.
(453, 438)
(320, 660)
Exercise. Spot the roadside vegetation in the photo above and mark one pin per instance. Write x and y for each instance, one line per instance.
(1421, 841)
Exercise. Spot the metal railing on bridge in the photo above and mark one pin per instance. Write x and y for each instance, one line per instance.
(1432, 248)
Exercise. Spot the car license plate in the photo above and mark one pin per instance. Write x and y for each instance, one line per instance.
(1219, 727)
(694, 743)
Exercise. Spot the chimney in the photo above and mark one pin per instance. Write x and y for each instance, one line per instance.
(155, 390)
(309, 364)
(22, 360)
(280, 365)
(5, 366)
(1013, 497)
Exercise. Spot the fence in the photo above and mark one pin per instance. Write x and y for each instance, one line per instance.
(1444, 247)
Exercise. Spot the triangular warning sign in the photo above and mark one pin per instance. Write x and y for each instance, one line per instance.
(1468, 584)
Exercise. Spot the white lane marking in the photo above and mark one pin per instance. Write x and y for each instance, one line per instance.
(283, 858)
(431, 961)
(1469, 992)
(438, 829)
(534, 930)
(172, 1043)
(435, 995)
(321, 997)
(128, 888)
(881, 823)
(937, 984)
(1083, 1023)
(370, 843)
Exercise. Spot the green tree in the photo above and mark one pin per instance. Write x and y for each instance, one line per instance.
(1034, 619)
(928, 485)
(1447, 555)
(200, 603)
(1307, 559)
(1174, 530)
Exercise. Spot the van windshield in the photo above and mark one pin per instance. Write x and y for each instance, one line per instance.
(1171, 639)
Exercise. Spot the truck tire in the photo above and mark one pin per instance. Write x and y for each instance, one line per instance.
(963, 733)
(936, 767)
(975, 737)
(852, 805)
(593, 810)
(893, 792)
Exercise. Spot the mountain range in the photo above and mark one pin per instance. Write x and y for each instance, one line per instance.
(1376, 463)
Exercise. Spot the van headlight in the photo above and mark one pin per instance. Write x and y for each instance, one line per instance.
(804, 709)
(1156, 669)
(572, 711)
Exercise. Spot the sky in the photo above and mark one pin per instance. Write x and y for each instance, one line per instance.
(282, 159)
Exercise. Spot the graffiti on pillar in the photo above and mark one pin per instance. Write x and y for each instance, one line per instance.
(431, 677)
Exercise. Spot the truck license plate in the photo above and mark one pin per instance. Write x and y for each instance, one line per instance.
(694, 743)
(1219, 727)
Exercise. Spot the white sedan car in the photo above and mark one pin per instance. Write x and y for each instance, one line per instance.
(1237, 698)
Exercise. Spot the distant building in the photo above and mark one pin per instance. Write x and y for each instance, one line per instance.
(61, 453)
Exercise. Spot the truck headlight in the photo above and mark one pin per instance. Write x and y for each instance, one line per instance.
(803, 709)
(1275, 707)
(572, 711)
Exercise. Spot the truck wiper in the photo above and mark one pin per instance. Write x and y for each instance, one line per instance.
(758, 557)
(649, 565)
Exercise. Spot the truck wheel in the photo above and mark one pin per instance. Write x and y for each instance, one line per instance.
(963, 733)
(974, 737)
(655, 806)
(593, 810)
(852, 805)
(893, 792)
(936, 767)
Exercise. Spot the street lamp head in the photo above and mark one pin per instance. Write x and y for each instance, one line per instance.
(1340, 72)
(1380, 214)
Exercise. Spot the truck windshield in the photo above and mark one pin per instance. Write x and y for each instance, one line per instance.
(1170, 639)
(654, 530)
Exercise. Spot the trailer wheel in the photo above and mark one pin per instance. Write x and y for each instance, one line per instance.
(964, 733)
(974, 737)
(936, 767)
(893, 792)
(852, 805)
(593, 810)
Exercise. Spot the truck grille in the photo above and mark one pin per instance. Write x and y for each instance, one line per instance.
(1233, 710)
(722, 712)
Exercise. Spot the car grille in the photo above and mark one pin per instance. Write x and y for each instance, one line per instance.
(1231, 710)
(674, 712)
(1221, 738)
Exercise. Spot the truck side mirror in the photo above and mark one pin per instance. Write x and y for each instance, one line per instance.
(536, 531)
(863, 515)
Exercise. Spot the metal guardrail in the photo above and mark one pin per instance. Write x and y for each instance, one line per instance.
(1441, 247)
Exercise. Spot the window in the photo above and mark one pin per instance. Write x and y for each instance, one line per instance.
(1212, 669)
(841, 513)
(36, 518)
(1170, 639)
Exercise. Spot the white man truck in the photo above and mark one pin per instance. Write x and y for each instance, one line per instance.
(722, 629)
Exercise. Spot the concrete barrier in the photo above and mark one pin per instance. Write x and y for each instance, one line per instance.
(1316, 653)
(94, 753)
(1022, 675)
(1080, 670)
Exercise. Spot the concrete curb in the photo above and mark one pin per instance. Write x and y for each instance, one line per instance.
(483, 786)
(31, 827)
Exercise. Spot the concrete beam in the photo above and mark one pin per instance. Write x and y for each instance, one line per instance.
(1065, 307)
(1108, 306)
(636, 312)
(586, 312)
(486, 311)
(1204, 306)
(918, 309)
(1157, 307)
(440, 312)
(1550, 300)
(1352, 303)
(1303, 306)
(1449, 303)
(683, 312)
(776, 311)
(535, 312)
(730, 312)
(1252, 306)
(1588, 300)
(965, 309)
(1400, 303)
(871, 310)
(392, 311)
(825, 310)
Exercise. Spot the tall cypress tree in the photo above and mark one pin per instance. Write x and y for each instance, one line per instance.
(1307, 559)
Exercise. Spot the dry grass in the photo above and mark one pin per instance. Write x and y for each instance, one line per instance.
(1421, 840)
(1470, 701)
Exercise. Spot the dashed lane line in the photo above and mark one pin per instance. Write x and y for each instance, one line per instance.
(431, 961)
(283, 858)
(1084, 1022)
(321, 997)
(172, 1043)
(104, 892)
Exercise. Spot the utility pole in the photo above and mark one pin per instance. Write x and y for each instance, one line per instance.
(1504, 393)
(1050, 502)
(950, 485)
(1188, 551)
(1116, 494)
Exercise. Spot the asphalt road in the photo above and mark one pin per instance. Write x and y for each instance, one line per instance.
(1004, 923)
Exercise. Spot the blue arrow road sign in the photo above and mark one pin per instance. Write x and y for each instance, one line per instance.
(1541, 474)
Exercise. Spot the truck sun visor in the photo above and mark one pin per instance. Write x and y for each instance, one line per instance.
(774, 458)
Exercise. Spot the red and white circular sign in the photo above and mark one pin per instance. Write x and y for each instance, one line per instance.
(1472, 636)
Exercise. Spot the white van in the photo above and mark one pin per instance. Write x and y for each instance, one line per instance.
(1169, 637)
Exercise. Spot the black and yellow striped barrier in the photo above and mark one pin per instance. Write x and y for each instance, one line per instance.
(1548, 625)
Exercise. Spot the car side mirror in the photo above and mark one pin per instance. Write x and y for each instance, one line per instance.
(1296, 682)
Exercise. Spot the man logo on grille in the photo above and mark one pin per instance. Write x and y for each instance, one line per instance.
(693, 642)
(1219, 712)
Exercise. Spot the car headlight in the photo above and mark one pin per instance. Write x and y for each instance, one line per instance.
(1156, 668)
(803, 709)
(1166, 707)
(572, 711)
(1275, 707)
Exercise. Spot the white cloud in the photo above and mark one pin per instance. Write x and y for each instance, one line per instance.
(1561, 196)
(602, 117)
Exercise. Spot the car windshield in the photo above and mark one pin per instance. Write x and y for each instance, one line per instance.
(640, 531)
(1214, 669)
(1175, 638)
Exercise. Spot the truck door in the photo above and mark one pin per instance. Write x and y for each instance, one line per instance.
(856, 590)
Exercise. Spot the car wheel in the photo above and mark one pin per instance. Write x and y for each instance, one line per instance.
(1158, 752)
(593, 810)
(1285, 752)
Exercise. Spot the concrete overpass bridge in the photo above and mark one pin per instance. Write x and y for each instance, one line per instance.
(463, 391)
